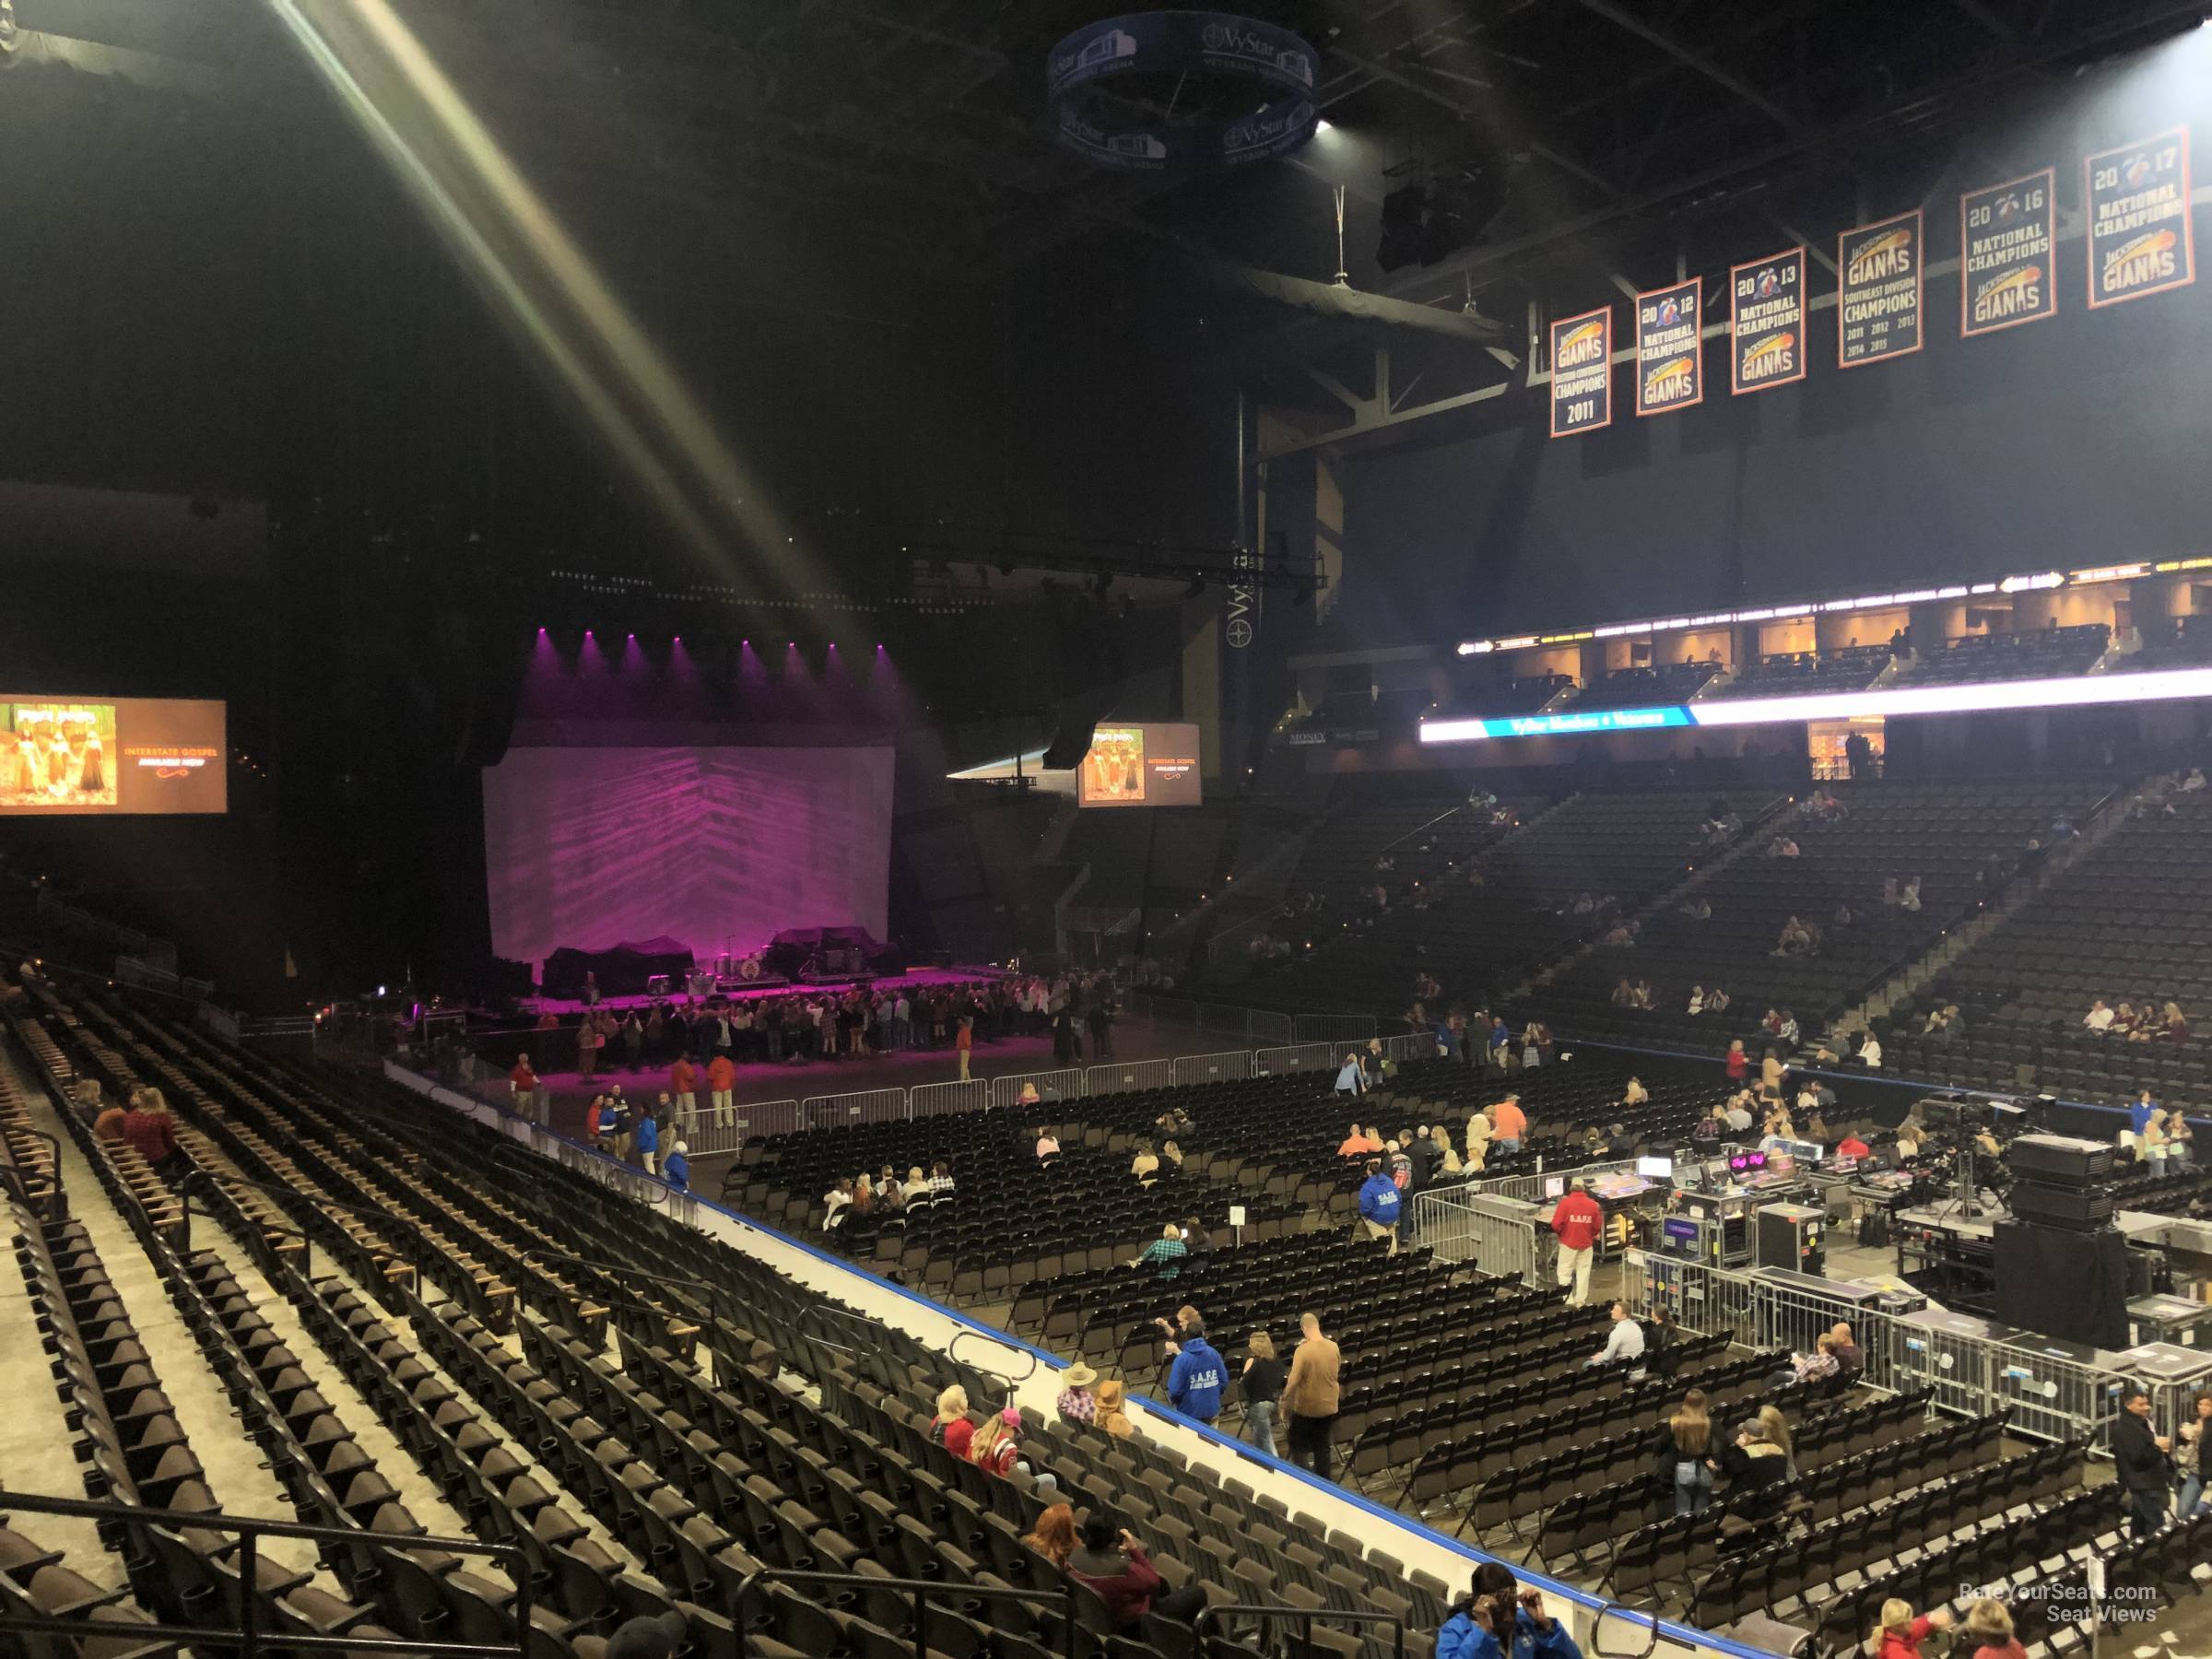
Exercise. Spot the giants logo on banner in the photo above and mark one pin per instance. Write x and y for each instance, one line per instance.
(1879, 290)
(1670, 356)
(1766, 322)
(2005, 243)
(1582, 374)
(2139, 209)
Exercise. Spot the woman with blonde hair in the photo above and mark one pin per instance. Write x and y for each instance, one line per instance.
(1900, 1634)
(951, 1428)
(1686, 1441)
(995, 1446)
(1990, 1624)
(1777, 1429)
(1447, 1155)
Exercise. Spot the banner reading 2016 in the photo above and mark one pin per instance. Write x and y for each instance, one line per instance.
(1582, 374)
(2005, 242)
(1879, 290)
(1670, 355)
(2138, 208)
(1766, 322)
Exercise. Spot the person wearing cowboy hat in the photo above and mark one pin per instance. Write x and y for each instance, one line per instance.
(1076, 1403)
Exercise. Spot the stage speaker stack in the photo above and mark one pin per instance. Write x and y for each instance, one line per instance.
(2061, 1265)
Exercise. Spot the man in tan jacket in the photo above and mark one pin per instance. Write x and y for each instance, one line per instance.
(1311, 1397)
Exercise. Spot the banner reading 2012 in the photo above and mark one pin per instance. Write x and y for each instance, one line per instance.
(2139, 238)
(1879, 290)
(1582, 374)
(1670, 359)
(1766, 322)
(2006, 245)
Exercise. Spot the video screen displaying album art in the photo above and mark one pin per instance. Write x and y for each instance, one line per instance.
(1148, 765)
(65, 755)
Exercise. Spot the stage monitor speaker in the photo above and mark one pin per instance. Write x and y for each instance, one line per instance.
(2070, 1285)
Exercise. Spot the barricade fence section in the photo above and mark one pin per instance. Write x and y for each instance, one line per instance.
(1336, 1028)
(2049, 1394)
(867, 1106)
(933, 1099)
(1277, 1028)
(1050, 1085)
(1300, 1056)
(1127, 1077)
(1495, 1235)
(1418, 1045)
(1534, 1189)
(1231, 1067)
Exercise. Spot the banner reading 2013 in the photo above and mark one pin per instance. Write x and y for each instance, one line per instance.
(2005, 242)
(2139, 238)
(1879, 290)
(1766, 322)
(1670, 357)
(1582, 374)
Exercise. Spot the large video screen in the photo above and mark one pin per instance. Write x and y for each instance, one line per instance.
(718, 848)
(1149, 765)
(66, 755)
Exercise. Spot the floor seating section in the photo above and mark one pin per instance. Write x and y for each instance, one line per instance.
(2129, 922)
(633, 1433)
(1804, 674)
(1479, 923)
(1961, 840)
(2046, 654)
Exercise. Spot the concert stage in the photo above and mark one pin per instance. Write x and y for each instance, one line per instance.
(917, 979)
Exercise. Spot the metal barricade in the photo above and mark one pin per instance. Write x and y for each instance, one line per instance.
(703, 1138)
(1223, 1020)
(1050, 1085)
(1695, 1296)
(1127, 1077)
(1234, 1064)
(1417, 1046)
(1173, 1010)
(1497, 1235)
(935, 1099)
(1263, 1026)
(867, 1106)
(1533, 1187)
(1300, 1057)
(1336, 1028)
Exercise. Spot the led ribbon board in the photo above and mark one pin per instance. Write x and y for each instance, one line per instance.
(1214, 64)
(2164, 685)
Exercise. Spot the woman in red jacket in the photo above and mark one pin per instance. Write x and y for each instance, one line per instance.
(1739, 1062)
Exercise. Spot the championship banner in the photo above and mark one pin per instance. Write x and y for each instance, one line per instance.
(1582, 374)
(2005, 243)
(1879, 290)
(2137, 200)
(1766, 322)
(1670, 356)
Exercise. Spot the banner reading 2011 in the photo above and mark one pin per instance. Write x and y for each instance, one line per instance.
(1766, 322)
(1582, 374)
(1879, 290)
(1670, 361)
(2137, 198)
(2006, 242)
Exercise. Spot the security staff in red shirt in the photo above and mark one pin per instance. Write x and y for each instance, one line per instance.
(1580, 1224)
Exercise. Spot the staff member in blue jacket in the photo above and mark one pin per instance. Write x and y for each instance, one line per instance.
(1194, 1379)
(1497, 1604)
(1380, 1202)
(675, 1169)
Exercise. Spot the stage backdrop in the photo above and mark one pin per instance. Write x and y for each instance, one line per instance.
(717, 847)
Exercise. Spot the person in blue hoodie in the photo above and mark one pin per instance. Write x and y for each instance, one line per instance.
(1194, 1379)
(1497, 1603)
(1379, 1204)
(648, 1140)
(675, 1169)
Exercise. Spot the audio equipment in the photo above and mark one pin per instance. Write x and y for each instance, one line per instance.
(2058, 1159)
(2077, 1210)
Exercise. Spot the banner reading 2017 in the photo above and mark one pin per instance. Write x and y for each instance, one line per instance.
(2005, 242)
(1879, 290)
(1582, 374)
(1670, 356)
(2138, 208)
(1766, 322)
